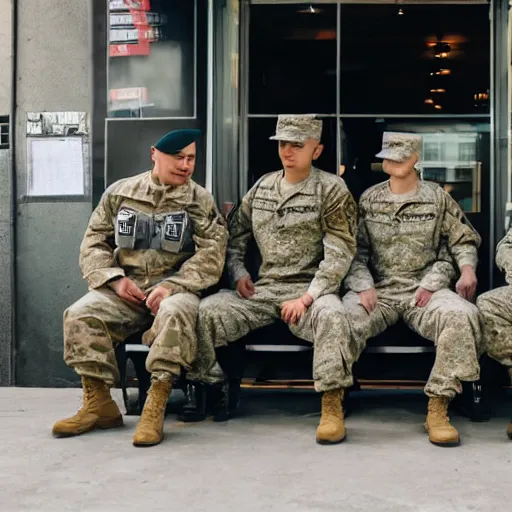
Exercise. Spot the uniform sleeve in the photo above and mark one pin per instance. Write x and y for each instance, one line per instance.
(97, 259)
(240, 234)
(359, 278)
(504, 256)
(461, 238)
(204, 268)
(339, 224)
(442, 272)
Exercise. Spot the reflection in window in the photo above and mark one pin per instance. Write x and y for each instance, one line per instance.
(433, 150)
(151, 66)
(467, 151)
(444, 141)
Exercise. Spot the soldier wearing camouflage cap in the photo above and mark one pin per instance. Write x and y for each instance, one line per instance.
(410, 234)
(496, 309)
(303, 221)
(153, 243)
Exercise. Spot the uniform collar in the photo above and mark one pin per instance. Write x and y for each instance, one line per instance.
(168, 190)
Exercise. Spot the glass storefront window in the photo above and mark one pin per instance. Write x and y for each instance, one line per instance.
(456, 154)
(152, 58)
(292, 59)
(432, 59)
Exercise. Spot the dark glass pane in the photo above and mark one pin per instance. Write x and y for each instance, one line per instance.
(263, 153)
(292, 56)
(151, 69)
(389, 63)
(456, 154)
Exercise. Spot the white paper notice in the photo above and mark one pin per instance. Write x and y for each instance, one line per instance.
(56, 167)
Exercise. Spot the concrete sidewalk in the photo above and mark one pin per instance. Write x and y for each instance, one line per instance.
(266, 460)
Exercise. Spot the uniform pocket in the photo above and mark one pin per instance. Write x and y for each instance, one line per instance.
(126, 229)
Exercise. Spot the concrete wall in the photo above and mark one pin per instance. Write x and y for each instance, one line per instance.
(5, 56)
(6, 267)
(53, 74)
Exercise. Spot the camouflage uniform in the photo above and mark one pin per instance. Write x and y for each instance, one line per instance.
(133, 232)
(406, 242)
(306, 240)
(496, 309)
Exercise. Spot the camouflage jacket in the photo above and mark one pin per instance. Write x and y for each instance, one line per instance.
(192, 269)
(504, 256)
(414, 238)
(305, 236)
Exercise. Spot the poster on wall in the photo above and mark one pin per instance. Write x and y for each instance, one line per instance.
(57, 155)
(56, 167)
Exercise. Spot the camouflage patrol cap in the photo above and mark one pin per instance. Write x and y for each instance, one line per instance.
(399, 146)
(297, 128)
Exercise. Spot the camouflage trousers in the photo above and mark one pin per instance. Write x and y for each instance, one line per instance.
(496, 311)
(100, 320)
(225, 318)
(449, 321)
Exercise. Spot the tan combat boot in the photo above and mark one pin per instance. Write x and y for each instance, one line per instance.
(509, 431)
(150, 430)
(440, 431)
(331, 429)
(98, 411)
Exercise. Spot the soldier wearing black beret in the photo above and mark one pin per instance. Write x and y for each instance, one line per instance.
(154, 242)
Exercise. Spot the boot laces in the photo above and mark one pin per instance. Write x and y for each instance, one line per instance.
(156, 401)
(331, 404)
(438, 410)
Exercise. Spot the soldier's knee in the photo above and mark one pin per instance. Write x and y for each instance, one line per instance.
(75, 312)
(333, 317)
(484, 304)
(210, 309)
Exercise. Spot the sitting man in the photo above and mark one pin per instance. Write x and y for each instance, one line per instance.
(303, 221)
(409, 231)
(496, 310)
(153, 243)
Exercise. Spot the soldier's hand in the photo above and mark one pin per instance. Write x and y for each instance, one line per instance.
(466, 285)
(292, 310)
(423, 297)
(127, 290)
(245, 287)
(368, 299)
(156, 297)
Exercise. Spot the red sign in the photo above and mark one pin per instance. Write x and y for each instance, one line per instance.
(120, 5)
(127, 50)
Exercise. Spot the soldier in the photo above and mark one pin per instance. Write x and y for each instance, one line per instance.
(408, 232)
(153, 243)
(496, 309)
(303, 221)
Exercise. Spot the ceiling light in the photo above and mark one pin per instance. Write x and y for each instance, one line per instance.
(441, 50)
(429, 101)
(438, 91)
(443, 72)
(438, 107)
(481, 96)
(309, 10)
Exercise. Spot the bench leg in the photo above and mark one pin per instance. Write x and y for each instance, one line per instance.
(194, 409)
(121, 359)
(143, 377)
(473, 402)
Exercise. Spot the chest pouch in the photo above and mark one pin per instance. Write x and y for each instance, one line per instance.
(132, 229)
(176, 233)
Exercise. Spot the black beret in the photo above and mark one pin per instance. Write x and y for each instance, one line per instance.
(173, 142)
